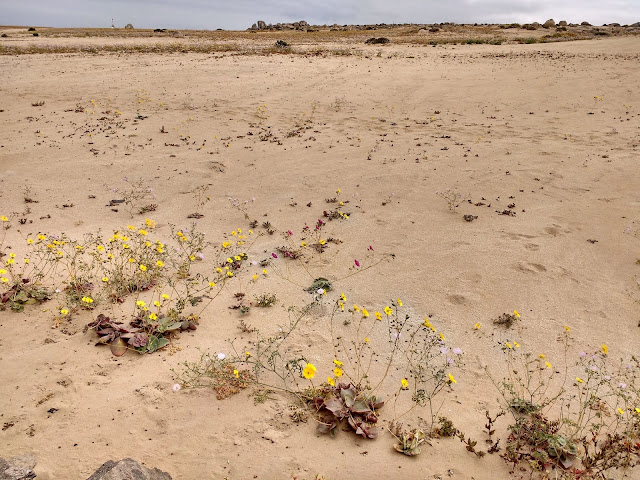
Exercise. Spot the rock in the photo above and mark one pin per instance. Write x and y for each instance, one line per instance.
(261, 25)
(374, 41)
(128, 26)
(637, 24)
(549, 23)
(127, 469)
(585, 24)
(18, 468)
(614, 24)
(562, 23)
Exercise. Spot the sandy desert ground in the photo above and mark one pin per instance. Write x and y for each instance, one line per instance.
(550, 132)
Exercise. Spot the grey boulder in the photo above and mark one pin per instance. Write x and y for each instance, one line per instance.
(127, 469)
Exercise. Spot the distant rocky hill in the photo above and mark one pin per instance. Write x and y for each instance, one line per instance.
(302, 25)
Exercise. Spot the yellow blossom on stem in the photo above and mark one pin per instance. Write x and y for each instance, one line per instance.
(140, 303)
(331, 381)
(442, 336)
(153, 316)
(451, 379)
(605, 349)
(212, 284)
(143, 268)
(542, 356)
(226, 244)
(338, 362)
(309, 371)
(356, 307)
(388, 310)
(378, 315)
(229, 274)
(337, 372)
(365, 314)
(105, 279)
(579, 380)
(509, 346)
(264, 272)
(236, 373)
(515, 312)
(157, 303)
(547, 364)
(255, 277)
(366, 339)
(567, 328)
(165, 296)
(64, 311)
(399, 302)
(405, 383)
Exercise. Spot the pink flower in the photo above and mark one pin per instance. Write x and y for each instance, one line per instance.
(274, 255)
(357, 263)
(290, 233)
(370, 248)
(176, 387)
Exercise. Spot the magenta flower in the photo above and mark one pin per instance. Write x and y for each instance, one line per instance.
(357, 263)
(274, 255)
(370, 248)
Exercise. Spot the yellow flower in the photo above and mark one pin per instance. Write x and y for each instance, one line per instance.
(212, 284)
(142, 232)
(338, 191)
(234, 233)
(388, 310)
(150, 223)
(343, 297)
(165, 296)
(229, 274)
(620, 411)
(515, 312)
(140, 303)
(4, 219)
(356, 307)
(378, 315)
(131, 227)
(605, 349)
(236, 257)
(567, 328)
(87, 300)
(264, 272)
(451, 379)
(303, 244)
(508, 345)
(12, 255)
(337, 372)
(2, 271)
(442, 336)
(542, 356)
(153, 316)
(192, 257)
(331, 381)
(110, 256)
(366, 339)
(4, 279)
(226, 244)
(41, 237)
(157, 303)
(147, 244)
(248, 354)
(64, 311)
(399, 302)
(516, 344)
(160, 264)
(105, 279)
(229, 260)
(309, 371)
(337, 362)
(637, 409)
(29, 241)
(579, 380)
(219, 270)
(236, 373)
(322, 242)
(341, 306)
(26, 260)
(239, 230)
(405, 383)
(100, 248)
(143, 268)
(255, 277)
(125, 246)
(365, 314)
(547, 364)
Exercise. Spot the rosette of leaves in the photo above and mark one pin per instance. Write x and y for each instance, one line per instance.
(319, 283)
(21, 294)
(564, 451)
(346, 403)
(409, 442)
(121, 338)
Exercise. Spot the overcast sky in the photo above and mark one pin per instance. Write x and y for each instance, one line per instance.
(240, 14)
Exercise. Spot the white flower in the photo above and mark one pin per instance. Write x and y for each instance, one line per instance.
(320, 291)
(176, 387)
(221, 356)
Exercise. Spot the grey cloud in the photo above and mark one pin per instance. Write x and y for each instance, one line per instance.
(240, 14)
